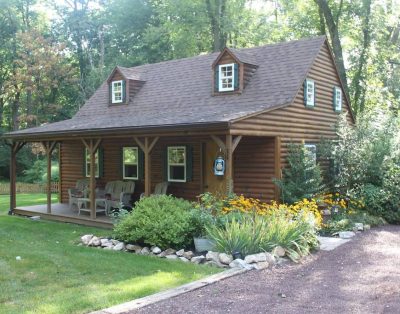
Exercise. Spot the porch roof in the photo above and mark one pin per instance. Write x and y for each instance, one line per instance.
(178, 93)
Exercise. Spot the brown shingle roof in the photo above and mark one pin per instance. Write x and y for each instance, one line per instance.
(179, 92)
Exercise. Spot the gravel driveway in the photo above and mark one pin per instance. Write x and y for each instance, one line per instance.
(361, 276)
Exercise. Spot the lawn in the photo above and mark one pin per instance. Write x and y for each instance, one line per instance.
(55, 275)
(25, 200)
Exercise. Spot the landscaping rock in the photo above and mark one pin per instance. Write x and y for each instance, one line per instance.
(34, 218)
(239, 263)
(225, 258)
(279, 251)
(270, 258)
(198, 259)
(367, 227)
(156, 250)
(105, 242)
(261, 265)
(188, 255)
(115, 242)
(133, 247)
(184, 259)
(346, 234)
(212, 256)
(180, 252)
(215, 264)
(167, 252)
(86, 238)
(119, 247)
(145, 251)
(255, 258)
(172, 256)
(95, 241)
(359, 226)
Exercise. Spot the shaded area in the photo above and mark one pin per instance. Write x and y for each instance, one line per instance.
(361, 276)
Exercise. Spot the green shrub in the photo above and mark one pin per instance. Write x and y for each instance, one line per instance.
(162, 221)
(302, 178)
(262, 233)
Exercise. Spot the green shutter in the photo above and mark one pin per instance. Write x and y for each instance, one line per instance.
(305, 93)
(101, 162)
(315, 94)
(189, 163)
(236, 76)
(110, 93)
(140, 164)
(165, 164)
(84, 162)
(124, 91)
(121, 166)
(216, 79)
(334, 98)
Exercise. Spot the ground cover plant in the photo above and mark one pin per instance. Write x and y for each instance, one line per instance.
(55, 275)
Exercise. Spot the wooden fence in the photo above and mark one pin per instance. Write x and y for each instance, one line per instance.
(29, 187)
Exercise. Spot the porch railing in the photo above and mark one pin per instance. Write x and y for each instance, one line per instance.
(29, 187)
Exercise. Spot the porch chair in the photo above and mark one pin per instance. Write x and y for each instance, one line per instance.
(117, 193)
(80, 190)
(160, 189)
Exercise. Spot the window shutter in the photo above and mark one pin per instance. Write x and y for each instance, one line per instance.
(140, 164)
(236, 76)
(110, 93)
(101, 162)
(216, 79)
(189, 163)
(84, 162)
(334, 99)
(305, 93)
(165, 164)
(124, 91)
(121, 166)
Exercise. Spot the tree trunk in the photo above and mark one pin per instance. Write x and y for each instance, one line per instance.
(335, 39)
(216, 15)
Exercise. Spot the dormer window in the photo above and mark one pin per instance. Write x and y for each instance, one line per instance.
(226, 77)
(117, 92)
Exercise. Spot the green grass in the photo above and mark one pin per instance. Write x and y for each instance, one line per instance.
(25, 200)
(55, 275)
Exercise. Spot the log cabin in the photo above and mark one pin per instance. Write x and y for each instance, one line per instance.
(170, 122)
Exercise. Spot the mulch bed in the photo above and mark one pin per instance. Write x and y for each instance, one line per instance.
(361, 276)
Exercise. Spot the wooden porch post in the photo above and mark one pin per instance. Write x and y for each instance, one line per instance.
(48, 147)
(147, 147)
(228, 148)
(15, 147)
(92, 147)
(277, 157)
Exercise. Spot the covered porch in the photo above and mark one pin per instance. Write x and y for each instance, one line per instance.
(251, 162)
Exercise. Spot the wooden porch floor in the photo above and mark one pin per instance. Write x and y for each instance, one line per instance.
(62, 212)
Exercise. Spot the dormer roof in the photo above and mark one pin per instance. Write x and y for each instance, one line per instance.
(126, 73)
(238, 55)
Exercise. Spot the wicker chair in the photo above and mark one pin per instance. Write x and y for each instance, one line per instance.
(80, 190)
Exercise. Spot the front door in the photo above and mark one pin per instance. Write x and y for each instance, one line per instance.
(212, 183)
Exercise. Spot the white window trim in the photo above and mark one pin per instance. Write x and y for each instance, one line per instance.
(114, 101)
(130, 163)
(176, 164)
(86, 164)
(307, 146)
(310, 104)
(338, 108)
(226, 89)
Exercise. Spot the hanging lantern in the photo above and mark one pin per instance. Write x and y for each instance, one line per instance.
(219, 166)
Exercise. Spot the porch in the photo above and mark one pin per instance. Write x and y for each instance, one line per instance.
(62, 212)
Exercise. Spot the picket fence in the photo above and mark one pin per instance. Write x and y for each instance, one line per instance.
(29, 187)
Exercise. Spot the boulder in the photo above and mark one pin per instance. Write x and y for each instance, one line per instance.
(184, 259)
(188, 255)
(367, 227)
(215, 264)
(255, 258)
(105, 242)
(225, 258)
(198, 259)
(171, 256)
(270, 258)
(346, 234)
(212, 256)
(95, 241)
(86, 238)
(115, 242)
(119, 246)
(359, 226)
(279, 251)
(156, 250)
(133, 248)
(167, 252)
(180, 252)
(239, 263)
(145, 251)
(261, 265)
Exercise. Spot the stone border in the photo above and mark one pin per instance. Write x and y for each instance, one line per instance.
(164, 295)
